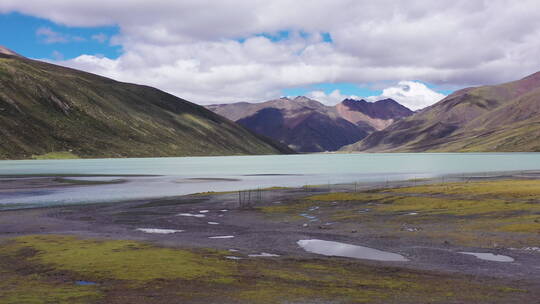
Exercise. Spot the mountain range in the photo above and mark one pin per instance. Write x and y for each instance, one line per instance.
(503, 117)
(45, 108)
(307, 125)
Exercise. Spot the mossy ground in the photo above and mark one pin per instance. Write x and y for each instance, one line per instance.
(43, 269)
(494, 213)
(56, 155)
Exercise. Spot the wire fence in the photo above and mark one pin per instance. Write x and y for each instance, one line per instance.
(248, 199)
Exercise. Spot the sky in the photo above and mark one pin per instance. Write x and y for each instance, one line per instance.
(415, 51)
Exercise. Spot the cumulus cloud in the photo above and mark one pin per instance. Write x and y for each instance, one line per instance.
(412, 94)
(212, 51)
(50, 36)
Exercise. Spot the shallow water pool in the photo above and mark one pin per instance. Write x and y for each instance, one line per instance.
(330, 248)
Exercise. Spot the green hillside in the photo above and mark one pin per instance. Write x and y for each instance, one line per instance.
(51, 110)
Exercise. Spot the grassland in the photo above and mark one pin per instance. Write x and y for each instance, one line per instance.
(43, 269)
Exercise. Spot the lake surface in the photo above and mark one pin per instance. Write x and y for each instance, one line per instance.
(184, 175)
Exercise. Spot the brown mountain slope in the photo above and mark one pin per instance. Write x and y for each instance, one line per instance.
(503, 117)
(307, 125)
(379, 114)
(46, 108)
(303, 124)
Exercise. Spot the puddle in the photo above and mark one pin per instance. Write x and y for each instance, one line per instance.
(221, 237)
(233, 257)
(408, 228)
(234, 250)
(223, 210)
(490, 256)
(527, 249)
(263, 255)
(213, 223)
(364, 210)
(310, 217)
(192, 215)
(412, 213)
(85, 283)
(159, 231)
(203, 211)
(313, 208)
(330, 248)
(411, 229)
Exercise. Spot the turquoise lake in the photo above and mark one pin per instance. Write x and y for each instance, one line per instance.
(185, 175)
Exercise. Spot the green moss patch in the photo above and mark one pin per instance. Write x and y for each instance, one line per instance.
(36, 289)
(56, 155)
(125, 260)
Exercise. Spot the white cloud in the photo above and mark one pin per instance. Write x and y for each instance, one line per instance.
(101, 37)
(412, 94)
(191, 48)
(50, 36)
(331, 99)
(57, 55)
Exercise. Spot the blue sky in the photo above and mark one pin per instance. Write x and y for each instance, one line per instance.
(286, 34)
(20, 34)
(347, 89)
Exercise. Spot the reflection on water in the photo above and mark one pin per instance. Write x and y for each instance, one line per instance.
(490, 256)
(85, 283)
(162, 177)
(330, 248)
(191, 215)
(263, 255)
(158, 231)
